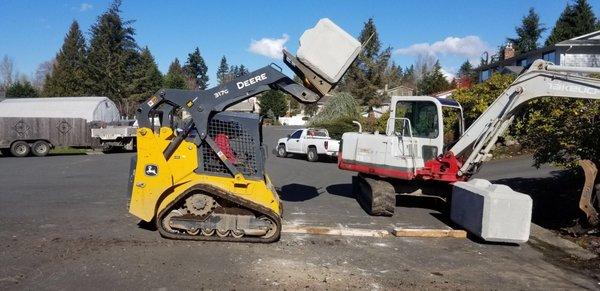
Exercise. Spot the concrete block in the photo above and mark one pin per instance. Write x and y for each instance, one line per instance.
(493, 212)
(327, 50)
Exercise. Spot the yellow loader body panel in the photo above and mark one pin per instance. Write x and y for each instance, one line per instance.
(151, 194)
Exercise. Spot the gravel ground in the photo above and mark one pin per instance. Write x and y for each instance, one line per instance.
(64, 225)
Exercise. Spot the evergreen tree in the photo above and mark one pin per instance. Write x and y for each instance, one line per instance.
(466, 69)
(339, 106)
(528, 33)
(147, 79)
(223, 71)
(69, 73)
(408, 78)
(433, 81)
(242, 70)
(393, 75)
(21, 89)
(367, 74)
(310, 109)
(237, 71)
(113, 55)
(175, 77)
(273, 100)
(195, 68)
(575, 20)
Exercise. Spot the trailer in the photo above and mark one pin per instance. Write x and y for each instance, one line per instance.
(35, 125)
(20, 136)
(118, 135)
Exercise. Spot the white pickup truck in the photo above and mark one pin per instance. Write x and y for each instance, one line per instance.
(311, 142)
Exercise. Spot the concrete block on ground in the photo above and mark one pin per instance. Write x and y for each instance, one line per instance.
(493, 212)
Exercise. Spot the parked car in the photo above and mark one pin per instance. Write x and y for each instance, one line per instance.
(312, 142)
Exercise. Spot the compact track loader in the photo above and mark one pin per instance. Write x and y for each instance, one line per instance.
(200, 174)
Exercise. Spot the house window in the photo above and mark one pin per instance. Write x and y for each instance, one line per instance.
(549, 57)
(522, 63)
(485, 75)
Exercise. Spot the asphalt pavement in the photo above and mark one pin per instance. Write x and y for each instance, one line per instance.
(64, 225)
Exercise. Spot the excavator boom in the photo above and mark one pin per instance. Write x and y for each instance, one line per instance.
(541, 80)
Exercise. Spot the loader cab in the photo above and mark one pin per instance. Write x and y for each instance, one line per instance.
(431, 125)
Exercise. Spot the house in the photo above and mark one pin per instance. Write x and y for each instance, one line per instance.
(444, 94)
(581, 51)
(376, 111)
(249, 105)
(396, 91)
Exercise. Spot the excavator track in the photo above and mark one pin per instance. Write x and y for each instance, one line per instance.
(238, 207)
(376, 196)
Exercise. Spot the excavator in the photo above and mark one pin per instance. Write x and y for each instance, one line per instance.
(425, 148)
(199, 170)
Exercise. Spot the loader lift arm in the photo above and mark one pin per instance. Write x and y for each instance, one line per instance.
(543, 79)
(202, 104)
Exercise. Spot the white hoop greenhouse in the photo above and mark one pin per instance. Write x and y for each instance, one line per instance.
(88, 108)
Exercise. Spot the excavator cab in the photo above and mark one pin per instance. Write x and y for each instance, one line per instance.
(430, 125)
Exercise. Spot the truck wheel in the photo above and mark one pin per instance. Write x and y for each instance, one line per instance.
(281, 152)
(20, 149)
(312, 155)
(40, 148)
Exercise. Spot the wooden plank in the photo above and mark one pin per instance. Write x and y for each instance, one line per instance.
(398, 232)
(342, 231)
(412, 232)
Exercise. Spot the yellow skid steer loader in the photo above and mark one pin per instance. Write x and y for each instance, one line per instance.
(199, 170)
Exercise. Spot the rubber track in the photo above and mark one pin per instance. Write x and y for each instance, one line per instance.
(229, 197)
(376, 196)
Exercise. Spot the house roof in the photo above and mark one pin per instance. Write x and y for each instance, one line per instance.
(590, 39)
(580, 42)
(591, 35)
(443, 93)
(510, 61)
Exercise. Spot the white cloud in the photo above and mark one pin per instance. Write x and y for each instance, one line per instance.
(85, 7)
(469, 46)
(448, 74)
(269, 47)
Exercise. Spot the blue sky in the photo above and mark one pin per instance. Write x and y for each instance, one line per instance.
(31, 32)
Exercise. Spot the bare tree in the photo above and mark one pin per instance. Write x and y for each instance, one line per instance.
(423, 65)
(43, 70)
(7, 71)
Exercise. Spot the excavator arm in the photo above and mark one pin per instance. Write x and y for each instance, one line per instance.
(542, 79)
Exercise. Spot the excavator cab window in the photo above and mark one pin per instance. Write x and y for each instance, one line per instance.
(453, 125)
(423, 117)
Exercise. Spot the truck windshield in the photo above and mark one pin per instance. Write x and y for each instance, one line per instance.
(423, 118)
